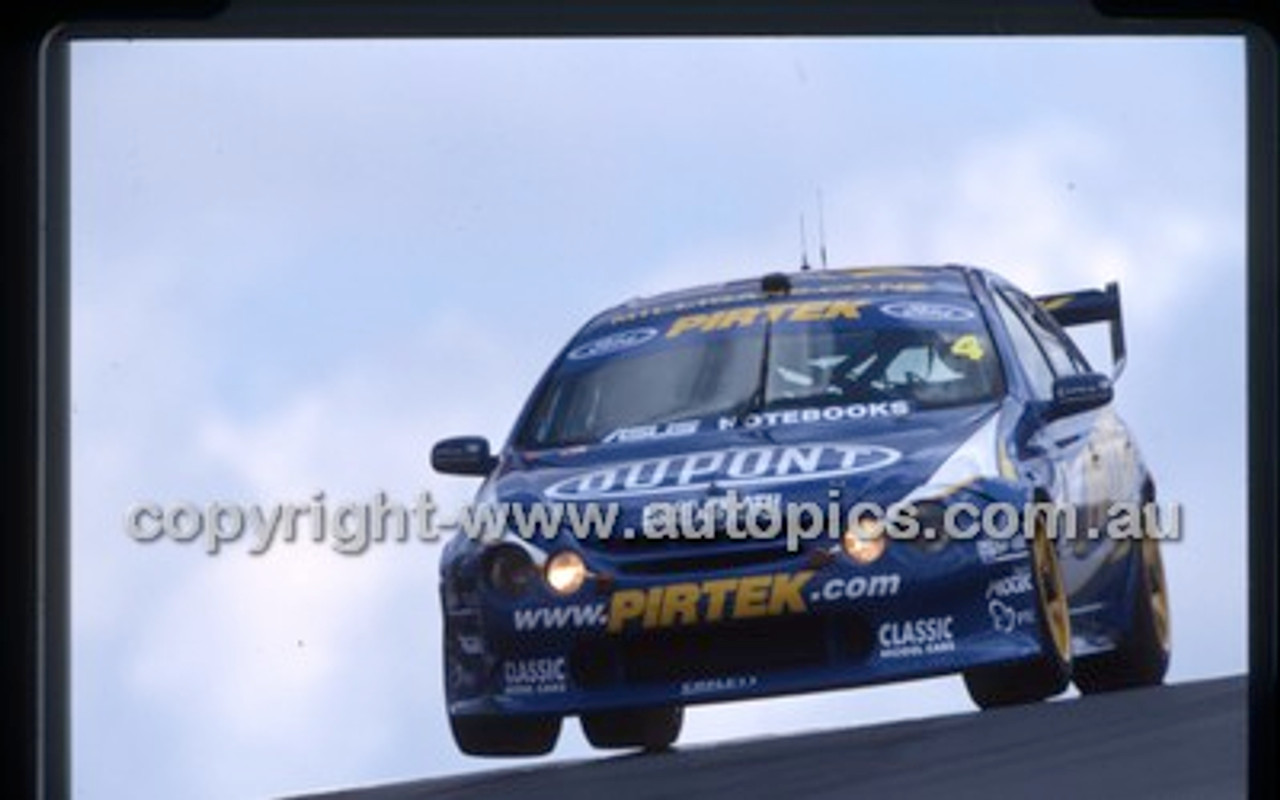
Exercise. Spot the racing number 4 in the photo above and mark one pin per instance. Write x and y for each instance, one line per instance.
(969, 347)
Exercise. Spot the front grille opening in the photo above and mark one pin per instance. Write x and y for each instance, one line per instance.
(692, 561)
(720, 538)
(852, 636)
(681, 654)
(593, 664)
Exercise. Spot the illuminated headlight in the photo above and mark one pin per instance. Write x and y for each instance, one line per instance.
(864, 541)
(565, 572)
(509, 569)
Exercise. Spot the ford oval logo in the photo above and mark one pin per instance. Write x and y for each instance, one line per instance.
(622, 340)
(728, 469)
(926, 312)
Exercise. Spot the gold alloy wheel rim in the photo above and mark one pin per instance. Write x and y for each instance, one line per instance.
(1053, 595)
(1153, 563)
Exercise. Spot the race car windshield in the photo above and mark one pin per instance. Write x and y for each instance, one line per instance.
(665, 374)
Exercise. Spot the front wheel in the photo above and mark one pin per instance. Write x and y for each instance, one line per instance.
(1048, 674)
(505, 736)
(646, 728)
(1142, 657)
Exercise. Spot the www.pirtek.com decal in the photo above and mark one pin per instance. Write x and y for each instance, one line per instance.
(692, 603)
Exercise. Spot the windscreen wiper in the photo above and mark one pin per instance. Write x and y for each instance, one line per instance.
(756, 400)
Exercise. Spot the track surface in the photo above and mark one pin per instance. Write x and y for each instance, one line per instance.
(1183, 741)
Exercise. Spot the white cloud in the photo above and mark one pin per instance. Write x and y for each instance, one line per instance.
(1032, 204)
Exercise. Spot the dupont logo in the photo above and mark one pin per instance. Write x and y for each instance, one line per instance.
(727, 469)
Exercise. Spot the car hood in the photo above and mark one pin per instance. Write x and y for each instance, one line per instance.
(881, 460)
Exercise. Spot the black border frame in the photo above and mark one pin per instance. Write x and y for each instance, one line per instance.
(35, 192)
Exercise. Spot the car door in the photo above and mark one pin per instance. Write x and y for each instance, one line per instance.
(1062, 446)
(1092, 467)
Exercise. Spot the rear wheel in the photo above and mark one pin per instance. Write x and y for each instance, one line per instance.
(1048, 674)
(1142, 657)
(646, 728)
(505, 736)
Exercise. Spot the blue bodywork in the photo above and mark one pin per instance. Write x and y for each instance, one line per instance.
(662, 622)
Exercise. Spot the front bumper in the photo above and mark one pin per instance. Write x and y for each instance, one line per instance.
(806, 624)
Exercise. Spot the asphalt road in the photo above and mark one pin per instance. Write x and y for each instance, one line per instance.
(1182, 741)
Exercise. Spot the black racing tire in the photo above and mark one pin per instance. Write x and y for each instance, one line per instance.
(649, 729)
(493, 735)
(1142, 657)
(1036, 679)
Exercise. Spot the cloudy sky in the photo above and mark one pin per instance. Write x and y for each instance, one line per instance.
(295, 265)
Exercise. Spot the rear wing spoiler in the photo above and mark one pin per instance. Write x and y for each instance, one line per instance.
(1088, 306)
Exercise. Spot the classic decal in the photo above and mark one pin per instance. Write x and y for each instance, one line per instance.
(916, 637)
(535, 675)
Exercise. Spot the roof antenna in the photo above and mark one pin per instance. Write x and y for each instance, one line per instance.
(822, 233)
(804, 246)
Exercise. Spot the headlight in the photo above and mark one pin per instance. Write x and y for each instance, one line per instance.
(565, 572)
(509, 569)
(931, 517)
(864, 541)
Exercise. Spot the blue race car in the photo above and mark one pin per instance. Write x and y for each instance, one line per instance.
(799, 482)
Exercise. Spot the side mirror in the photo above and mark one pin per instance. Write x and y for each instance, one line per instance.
(463, 455)
(1073, 394)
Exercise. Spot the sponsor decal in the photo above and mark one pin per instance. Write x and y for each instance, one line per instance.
(728, 469)
(702, 518)
(658, 309)
(688, 603)
(534, 675)
(640, 432)
(858, 587)
(708, 601)
(797, 416)
(471, 645)
(698, 602)
(1055, 302)
(747, 316)
(890, 287)
(994, 551)
(1004, 617)
(1010, 585)
(916, 637)
(612, 343)
(589, 615)
(886, 272)
(703, 303)
(917, 311)
(731, 683)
